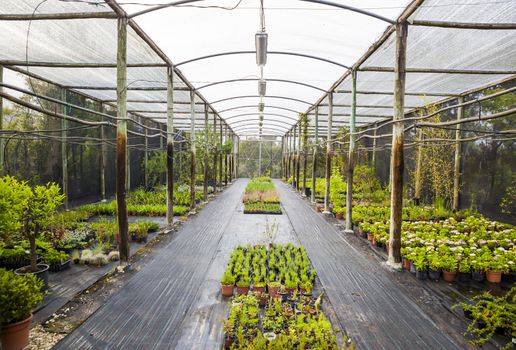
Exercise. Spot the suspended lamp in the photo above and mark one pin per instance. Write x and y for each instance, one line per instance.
(261, 106)
(260, 41)
(261, 116)
(262, 87)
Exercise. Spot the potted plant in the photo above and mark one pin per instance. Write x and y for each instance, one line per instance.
(448, 264)
(464, 270)
(243, 284)
(36, 214)
(495, 268)
(58, 261)
(19, 295)
(420, 263)
(291, 284)
(227, 284)
(273, 288)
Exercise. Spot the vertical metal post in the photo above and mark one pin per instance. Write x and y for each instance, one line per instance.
(305, 151)
(192, 150)
(225, 156)
(128, 158)
(373, 160)
(236, 155)
(397, 162)
(2, 143)
(170, 146)
(418, 178)
(298, 156)
(64, 149)
(215, 153)
(146, 160)
(220, 155)
(294, 160)
(457, 159)
(103, 158)
(287, 157)
(328, 155)
(282, 156)
(121, 140)
(260, 155)
(351, 157)
(314, 159)
(206, 150)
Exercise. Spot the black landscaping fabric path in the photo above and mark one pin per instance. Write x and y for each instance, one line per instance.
(372, 309)
(146, 313)
(174, 301)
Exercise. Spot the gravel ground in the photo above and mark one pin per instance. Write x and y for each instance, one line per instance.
(40, 339)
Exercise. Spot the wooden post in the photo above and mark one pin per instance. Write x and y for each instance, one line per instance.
(373, 160)
(294, 158)
(220, 155)
(2, 143)
(215, 153)
(64, 149)
(206, 150)
(236, 156)
(418, 180)
(351, 158)
(232, 159)
(170, 146)
(314, 158)
(397, 162)
(128, 165)
(282, 156)
(287, 156)
(225, 156)
(328, 155)
(103, 158)
(121, 140)
(192, 150)
(457, 159)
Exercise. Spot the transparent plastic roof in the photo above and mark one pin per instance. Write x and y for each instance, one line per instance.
(295, 84)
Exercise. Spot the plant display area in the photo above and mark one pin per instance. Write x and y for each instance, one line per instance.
(274, 305)
(261, 197)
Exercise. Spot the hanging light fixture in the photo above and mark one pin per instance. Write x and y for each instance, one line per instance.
(262, 87)
(260, 124)
(260, 116)
(260, 41)
(261, 106)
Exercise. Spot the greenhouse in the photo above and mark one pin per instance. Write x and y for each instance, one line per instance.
(244, 174)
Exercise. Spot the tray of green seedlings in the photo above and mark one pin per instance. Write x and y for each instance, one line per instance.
(261, 197)
(274, 306)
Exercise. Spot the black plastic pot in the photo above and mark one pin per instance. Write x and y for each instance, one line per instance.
(464, 276)
(42, 273)
(422, 274)
(412, 268)
(477, 276)
(434, 274)
(56, 267)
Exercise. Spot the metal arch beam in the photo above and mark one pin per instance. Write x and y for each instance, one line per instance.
(287, 53)
(271, 127)
(276, 132)
(257, 113)
(255, 106)
(257, 96)
(257, 79)
(320, 2)
(265, 122)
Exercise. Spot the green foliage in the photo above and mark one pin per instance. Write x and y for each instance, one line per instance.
(14, 196)
(490, 313)
(53, 256)
(262, 208)
(19, 295)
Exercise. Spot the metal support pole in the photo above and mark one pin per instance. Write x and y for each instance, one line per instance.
(236, 156)
(128, 165)
(2, 143)
(305, 151)
(351, 157)
(294, 160)
(260, 155)
(457, 159)
(397, 162)
(192, 150)
(103, 158)
(373, 160)
(170, 146)
(121, 140)
(314, 158)
(215, 153)
(64, 149)
(298, 156)
(328, 155)
(146, 160)
(418, 180)
(282, 156)
(225, 156)
(220, 155)
(206, 158)
(287, 159)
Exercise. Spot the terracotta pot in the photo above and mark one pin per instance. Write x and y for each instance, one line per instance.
(319, 207)
(449, 276)
(370, 236)
(290, 291)
(494, 276)
(228, 341)
(273, 290)
(373, 242)
(227, 291)
(15, 336)
(242, 290)
(259, 289)
(405, 263)
(339, 216)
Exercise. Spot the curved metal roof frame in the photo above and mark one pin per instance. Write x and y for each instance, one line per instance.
(255, 106)
(268, 80)
(276, 131)
(257, 96)
(251, 122)
(256, 114)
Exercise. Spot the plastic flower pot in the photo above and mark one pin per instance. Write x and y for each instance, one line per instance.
(494, 276)
(421, 274)
(434, 274)
(370, 236)
(405, 263)
(227, 290)
(242, 290)
(290, 291)
(15, 336)
(273, 290)
(412, 268)
(449, 276)
(339, 216)
(477, 276)
(42, 273)
(464, 276)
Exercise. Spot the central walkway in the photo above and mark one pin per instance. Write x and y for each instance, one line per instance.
(174, 301)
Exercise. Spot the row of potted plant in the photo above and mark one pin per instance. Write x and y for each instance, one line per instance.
(261, 197)
(470, 247)
(262, 268)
